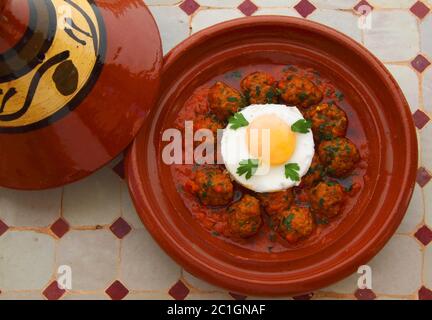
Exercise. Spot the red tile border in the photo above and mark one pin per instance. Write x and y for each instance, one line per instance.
(362, 3)
(117, 291)
(420, 63)
(247, 7)
(306, 296)
(304, 8)
(120, 228)
(237, 296)
(365, 294)
(3, 227)
(423, 177)
(424, 235)
(420, 119)
(189, 6)
(60, 227)
(53, 292)
(179, 291)
(425, 293)
(119, 169)
(420, 9)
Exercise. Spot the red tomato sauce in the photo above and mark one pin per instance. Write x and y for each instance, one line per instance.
(214, 219)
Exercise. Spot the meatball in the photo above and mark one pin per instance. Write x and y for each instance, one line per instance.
(328, 121)
(315, 173)
(299, 91)
(295, 223)
(339, 156)
(327, 198)
(213, 186)
(275, 202)
(244, 218)
(208, 122)
(259, 88)
(224, 101)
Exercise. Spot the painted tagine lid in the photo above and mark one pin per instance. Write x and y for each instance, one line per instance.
(77, 79)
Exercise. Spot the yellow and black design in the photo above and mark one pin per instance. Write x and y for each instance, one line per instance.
(52, 80)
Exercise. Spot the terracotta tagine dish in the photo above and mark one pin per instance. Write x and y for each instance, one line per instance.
(77, 79)
(297, 229)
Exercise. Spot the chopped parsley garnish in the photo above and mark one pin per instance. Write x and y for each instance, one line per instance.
(303, 96)
(237, 121)
(287, 221)
(270, 95)
(232, 99)
(234, 75)
(291, 171)
(301, 126)
(339, 95)
(248, 167)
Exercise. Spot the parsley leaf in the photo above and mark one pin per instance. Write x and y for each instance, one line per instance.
(291, 171)
(232, 99)
(237, 121)
(301, 126)
(248, 167)
(287, 221)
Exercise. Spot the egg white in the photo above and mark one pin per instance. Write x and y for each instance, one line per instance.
(234, 149)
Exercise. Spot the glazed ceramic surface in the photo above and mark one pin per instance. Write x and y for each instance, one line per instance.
(77, 79)
(377, 102)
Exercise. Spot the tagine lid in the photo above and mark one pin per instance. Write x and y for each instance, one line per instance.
(77, 80)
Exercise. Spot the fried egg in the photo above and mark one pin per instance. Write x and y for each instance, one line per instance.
(263, 148)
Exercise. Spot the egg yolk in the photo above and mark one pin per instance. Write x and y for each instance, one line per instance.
(270, 139)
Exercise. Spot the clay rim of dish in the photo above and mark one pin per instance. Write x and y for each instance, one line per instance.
(185, 255)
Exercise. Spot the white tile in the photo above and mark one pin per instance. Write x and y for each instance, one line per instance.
(93, 257)
(345, 286)
(345, 22)
(334, 4)
(144, 266)
(414, 214)
(392, 3)
(30, 208)
(390, 30)
(173, 24)
(94, 200)
(290, 12)
(407, 79)
(148, 296)
(427, 91)
(427, 193)
(26, 260)
(274, 3)
(161, 2)
(397, 267)
(85, 296)
(209, 296)
(427, 267)
(426, 146)
(198, 283)
(21, 295)
(128, 210)
(221, 3)
(207, 18)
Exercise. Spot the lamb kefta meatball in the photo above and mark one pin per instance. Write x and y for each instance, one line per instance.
(327, 198)
(213, 186)
(295, 223)
(259, 88)
(244, 218)
(275, 202)
(328, 121)
(224, 101)
(299, 91)
(315, 173)
(339, 156)
(208, 122)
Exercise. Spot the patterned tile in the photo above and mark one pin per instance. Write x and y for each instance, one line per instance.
(117, 291)
(275, 3)
(247, 7)
(427, 267)
(189, 6)
(53, 292)
(220, 3)
(179, 291)
(392, 3)
(306, 296)
(120, 169)
(415, 212)
(365, 294)
(289, 12)
(420, 63)
(304, 8)
(420, 119)
(426, 35)
(60, 227)
(333, 4)
(424, 293)
(407, 79)
(120, 228)
(420, 9)
(423, 177)
(199, 284)
(363, 6)
(424, 235)
(162, 2)
(427, 89)
(3, 227)
(209, 17)
(237, 296)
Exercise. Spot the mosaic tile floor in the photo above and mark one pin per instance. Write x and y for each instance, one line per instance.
(92, 227)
